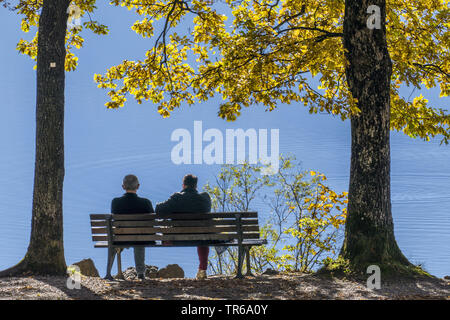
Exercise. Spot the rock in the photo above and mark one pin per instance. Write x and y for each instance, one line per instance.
(87, 268)
(171, 271)
(270, 272)
(150, 272)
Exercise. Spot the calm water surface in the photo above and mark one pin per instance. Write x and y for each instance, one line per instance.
(102, 146)
(96, 163)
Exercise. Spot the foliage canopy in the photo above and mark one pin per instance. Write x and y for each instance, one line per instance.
(304, 223)
(266, 52)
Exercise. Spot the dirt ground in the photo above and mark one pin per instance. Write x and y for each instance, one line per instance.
(268, 287)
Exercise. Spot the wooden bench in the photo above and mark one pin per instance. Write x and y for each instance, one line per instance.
(119, 231)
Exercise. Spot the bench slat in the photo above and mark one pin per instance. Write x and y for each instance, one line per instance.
(252, 242)
(151, 216)
(184, 237)
(98, 223)
(102, 230)
(100, 238)
(181, 237)
(183, 223)
(101, 244)
(96, 216)
(184, 216)
(182, 230)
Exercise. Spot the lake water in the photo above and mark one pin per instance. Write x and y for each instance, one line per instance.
(104, 145)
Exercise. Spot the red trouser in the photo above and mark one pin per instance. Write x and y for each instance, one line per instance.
(203, 253)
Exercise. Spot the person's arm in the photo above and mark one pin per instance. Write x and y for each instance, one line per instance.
(114, 206)
(168, 206)
(207, 200)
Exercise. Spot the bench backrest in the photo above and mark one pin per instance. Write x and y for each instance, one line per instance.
(177, 226)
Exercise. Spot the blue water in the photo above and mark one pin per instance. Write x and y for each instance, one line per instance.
(104, 145)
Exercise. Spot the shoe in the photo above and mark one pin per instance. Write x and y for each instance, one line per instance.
(141, 277)
(201, 274)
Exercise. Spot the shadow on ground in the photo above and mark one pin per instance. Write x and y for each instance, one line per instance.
(270, 287)
(275, 287)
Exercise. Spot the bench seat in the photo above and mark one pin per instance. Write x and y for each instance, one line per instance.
(104, 244)
(119, 231)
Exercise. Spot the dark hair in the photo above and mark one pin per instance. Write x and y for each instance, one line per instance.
(190, 181)
(130, 182)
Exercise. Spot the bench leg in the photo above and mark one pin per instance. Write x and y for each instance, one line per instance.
(240, 262)
(119, 264)
(249, 268)
(111, 256)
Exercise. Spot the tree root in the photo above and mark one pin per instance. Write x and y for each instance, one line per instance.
(25, 268)
(343, 268)
(19, 269)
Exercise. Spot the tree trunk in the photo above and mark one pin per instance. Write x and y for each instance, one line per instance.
(45, 253)
(369, 234)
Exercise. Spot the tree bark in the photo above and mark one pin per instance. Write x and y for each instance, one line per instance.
(369, 235)
(45, 253)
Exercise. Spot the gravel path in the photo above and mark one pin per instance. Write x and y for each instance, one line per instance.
(292, 286)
